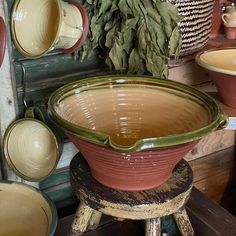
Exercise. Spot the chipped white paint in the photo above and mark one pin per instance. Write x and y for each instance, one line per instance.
(145, 211)
(69, 151)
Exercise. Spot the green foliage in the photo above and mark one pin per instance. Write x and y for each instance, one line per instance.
(133, 35)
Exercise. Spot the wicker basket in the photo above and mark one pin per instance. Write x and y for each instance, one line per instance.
(196, 26)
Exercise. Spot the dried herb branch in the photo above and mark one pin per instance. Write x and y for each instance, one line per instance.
(133, 35)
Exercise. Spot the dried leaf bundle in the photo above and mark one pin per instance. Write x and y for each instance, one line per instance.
(133, 35)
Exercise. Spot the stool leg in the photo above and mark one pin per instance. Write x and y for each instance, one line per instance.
(153, 227)
(183, 222)
(81, 220)
(94, 220)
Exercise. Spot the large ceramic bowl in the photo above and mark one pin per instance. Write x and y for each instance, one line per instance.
(25, 211)
(133, 130)
(221, 67)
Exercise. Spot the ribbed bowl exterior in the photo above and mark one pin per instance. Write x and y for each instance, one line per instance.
(195, 28)
(220, 64)
(131, 172)
(226, 86)
(133, 130)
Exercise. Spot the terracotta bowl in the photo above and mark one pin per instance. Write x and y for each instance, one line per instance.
(25, 211)
(221, 67)
(133, 130)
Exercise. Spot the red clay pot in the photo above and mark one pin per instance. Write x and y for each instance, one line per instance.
(132, 130)
(226, 86)
(221, 67)
(216, 19)
(131, 172)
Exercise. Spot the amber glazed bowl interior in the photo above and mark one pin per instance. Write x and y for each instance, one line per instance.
(221, 67)
(132, 128)
(25, 211)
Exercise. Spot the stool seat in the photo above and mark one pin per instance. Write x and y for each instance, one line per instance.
(97, 199)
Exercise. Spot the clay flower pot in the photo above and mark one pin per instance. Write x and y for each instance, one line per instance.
(221, 67)
(133, 130)
(25, 211)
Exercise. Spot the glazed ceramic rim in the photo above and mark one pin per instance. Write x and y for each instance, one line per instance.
(82, 39)
(211, 67)
(219, 118)
(14, 37)
(2, 40)
(8, 158)
(47, 199)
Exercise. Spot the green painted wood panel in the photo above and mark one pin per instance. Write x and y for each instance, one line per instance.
(42, 77)
(58, 177)
(60, 194)
(50, 67)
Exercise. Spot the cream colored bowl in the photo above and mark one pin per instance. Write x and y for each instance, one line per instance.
(219, 60)
(221, 67)
(25, 211)
(31, 149)
(39, 26)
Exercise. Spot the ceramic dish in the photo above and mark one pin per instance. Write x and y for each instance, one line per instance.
(25, 211)
(133, 130)
(221, 67)
(40, 26)
(32, 147)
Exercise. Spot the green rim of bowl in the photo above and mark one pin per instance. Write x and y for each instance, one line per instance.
(14, 37)
(8, 158)
(47, 199)
(211, 67)
(219, 118)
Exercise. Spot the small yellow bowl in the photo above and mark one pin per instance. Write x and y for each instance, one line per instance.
(25, 211)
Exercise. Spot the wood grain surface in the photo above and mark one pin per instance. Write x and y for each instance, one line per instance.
(163, 200)
(207, 218)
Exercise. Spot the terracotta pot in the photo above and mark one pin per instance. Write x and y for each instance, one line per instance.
(230, 32)
(132, 172)
(216, 19)
(133, 130)
(221, 67)
(25, 211)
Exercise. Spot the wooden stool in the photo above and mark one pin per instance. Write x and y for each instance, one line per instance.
(150, 205)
